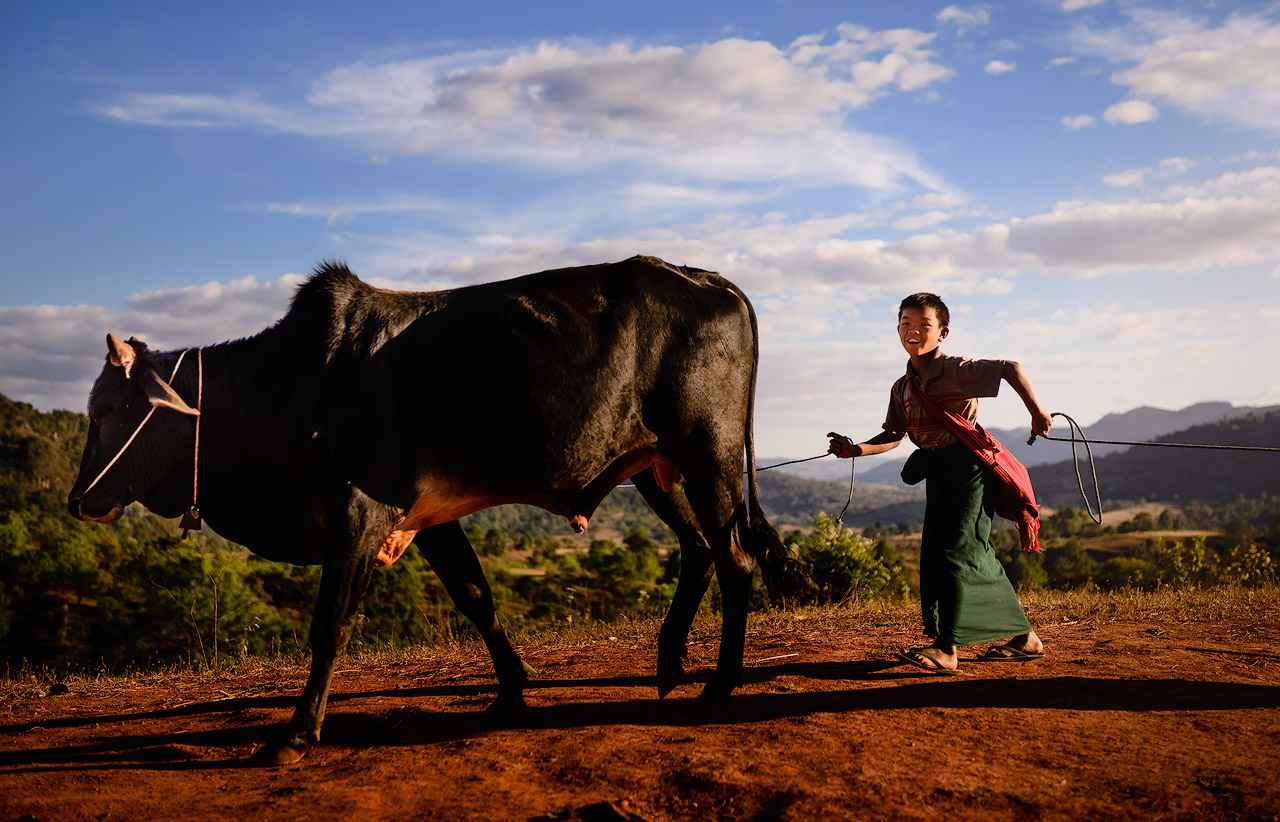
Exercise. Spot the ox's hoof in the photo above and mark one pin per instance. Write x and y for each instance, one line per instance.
(669, 676)
(285, 750)
(713, 701)
(506, 712)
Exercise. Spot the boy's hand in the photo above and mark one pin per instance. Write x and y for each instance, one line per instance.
(1041, 421)
(842, 446)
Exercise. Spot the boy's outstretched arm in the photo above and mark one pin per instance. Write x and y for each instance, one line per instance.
(844, 447)
(1016, 376)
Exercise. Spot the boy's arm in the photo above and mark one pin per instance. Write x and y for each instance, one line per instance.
(844, 447)
(1016, 376)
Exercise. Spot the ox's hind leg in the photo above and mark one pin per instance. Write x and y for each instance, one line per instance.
(715, 495)
(695, 574)
(355, 527)
(734, 570)
(451, 556)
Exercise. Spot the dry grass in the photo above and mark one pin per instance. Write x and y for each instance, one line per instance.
(1047, 608)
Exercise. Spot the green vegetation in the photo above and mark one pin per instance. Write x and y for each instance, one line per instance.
(76, 595)
(1244, 555)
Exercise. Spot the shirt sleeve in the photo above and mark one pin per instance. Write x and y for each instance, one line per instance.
(980, 378)
(895, 419)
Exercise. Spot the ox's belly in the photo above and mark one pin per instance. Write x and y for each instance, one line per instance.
(439, 503)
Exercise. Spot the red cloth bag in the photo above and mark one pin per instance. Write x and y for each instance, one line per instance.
(1015, 501)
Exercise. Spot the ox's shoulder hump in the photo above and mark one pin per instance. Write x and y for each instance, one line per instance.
(699, 276)
(330, 281)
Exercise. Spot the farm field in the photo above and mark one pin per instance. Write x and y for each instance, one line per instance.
(1150, 705)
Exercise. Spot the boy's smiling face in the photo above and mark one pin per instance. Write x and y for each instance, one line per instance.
(919, 331)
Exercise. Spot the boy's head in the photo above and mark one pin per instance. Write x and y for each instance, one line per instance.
(923, 300)
(922, 324)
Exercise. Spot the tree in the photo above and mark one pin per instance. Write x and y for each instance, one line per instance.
(1070, 565)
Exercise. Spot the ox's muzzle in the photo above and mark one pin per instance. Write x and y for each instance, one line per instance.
(75, 506)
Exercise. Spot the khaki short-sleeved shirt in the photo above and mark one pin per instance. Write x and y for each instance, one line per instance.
(956, 382)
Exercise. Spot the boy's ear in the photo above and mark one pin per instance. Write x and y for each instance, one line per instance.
(945, 331)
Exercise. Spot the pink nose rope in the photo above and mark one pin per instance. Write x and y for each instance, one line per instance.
(191, 519)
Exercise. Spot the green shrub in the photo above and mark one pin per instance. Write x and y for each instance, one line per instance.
(1128, 572)
(848, 566)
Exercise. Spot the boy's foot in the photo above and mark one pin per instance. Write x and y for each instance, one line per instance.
(931, 660)
(1019, 649)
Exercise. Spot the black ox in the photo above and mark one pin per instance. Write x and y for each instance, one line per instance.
(366, 419)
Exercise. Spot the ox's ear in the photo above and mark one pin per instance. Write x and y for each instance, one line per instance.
(161, 393)
(121, 354)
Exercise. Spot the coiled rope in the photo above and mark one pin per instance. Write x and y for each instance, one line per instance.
(1075, 427)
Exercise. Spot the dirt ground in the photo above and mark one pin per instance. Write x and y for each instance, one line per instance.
(1123, 720)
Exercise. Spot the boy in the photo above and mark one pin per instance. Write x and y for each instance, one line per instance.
(965, 596)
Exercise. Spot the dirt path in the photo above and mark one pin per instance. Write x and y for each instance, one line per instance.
(1122, 721)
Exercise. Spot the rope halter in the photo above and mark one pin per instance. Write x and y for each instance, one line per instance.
(191, 519)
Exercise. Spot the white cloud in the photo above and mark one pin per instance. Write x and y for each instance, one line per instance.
(1226, 73)
(1124, 179)
(915, 222)
(725, 109)
(1078, 122)
(962, 18)
(999, 67)
(51, 354)
(400, 204)
(1131, 112)
(1175, 165)
(1061, 61)
(1076, 5)
(1165, 168)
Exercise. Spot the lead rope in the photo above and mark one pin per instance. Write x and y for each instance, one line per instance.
(852, 478)
(138, 431)
(191, 520)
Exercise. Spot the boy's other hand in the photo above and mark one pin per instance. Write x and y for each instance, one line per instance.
(841, 446)
(1041, 422)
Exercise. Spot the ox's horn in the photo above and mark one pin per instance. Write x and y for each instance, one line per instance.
(121, 354)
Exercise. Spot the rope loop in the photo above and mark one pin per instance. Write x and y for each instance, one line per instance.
(1075, 463)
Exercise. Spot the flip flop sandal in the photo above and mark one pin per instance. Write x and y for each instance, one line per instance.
(1003, 653)
(924, 663)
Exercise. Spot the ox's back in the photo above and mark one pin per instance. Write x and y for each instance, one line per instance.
(535, 382)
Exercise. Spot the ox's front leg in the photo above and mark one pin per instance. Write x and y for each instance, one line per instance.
(355, 527)
(451, 556)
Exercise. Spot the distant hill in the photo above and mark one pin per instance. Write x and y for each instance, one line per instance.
(1138, 425)
(39, 455)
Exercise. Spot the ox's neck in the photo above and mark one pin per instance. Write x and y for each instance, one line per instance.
(256, 476)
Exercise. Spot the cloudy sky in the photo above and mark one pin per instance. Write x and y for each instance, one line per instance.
(1092, 185)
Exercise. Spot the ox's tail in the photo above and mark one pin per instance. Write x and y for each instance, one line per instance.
(784, 575)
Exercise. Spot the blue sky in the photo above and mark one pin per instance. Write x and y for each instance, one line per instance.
(1093, 187)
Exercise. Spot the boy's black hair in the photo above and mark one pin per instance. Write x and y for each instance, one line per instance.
(923, 300)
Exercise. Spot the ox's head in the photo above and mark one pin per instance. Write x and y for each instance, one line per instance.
(155, 468)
